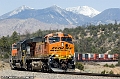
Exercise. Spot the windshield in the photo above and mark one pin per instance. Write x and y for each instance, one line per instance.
(54, 39)
(67, 39)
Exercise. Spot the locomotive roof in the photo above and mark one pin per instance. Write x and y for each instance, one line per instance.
(34, 39)
(58, 34)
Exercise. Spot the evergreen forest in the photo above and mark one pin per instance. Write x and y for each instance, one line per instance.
(89, 39)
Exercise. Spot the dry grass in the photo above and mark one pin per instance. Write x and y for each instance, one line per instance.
(100, 68)
(4, 65)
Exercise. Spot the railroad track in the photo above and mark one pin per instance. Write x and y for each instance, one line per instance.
(80, 73)
(88, 74)
(76, 73)
(55, 75)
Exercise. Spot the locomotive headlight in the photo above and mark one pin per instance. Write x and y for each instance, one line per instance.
(62, 44)
(57, 55)
(69, 56)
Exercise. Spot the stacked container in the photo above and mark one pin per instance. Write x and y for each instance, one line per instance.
(79, 57)
(105, 56)
(115, 57)
(83, 57)
(110, 57)
(91, 56)
(101, 56)
(96, 57)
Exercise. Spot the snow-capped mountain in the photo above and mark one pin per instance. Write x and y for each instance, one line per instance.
(52, 15)
(57, 15)
(16, 11)
(22, 8)
(85, 10)
(28, 18)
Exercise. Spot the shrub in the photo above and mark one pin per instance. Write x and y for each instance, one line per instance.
(111, 66)
(79, 66)
(106, 65)
(111, 72)
(103, 72)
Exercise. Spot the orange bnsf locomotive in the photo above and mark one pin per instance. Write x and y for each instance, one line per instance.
(54, 53)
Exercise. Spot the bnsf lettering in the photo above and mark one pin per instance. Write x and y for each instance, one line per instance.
(57, 47)
(61, 48)
(54, 48)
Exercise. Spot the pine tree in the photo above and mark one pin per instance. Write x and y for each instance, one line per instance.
(15, 37)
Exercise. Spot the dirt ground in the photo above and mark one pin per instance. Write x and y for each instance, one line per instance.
(99, 68)
(96, 69)
(87, 68)
(4, 65)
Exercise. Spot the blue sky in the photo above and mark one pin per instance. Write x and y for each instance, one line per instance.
(100, 5)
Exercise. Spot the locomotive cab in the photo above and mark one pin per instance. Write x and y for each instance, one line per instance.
(14, 49)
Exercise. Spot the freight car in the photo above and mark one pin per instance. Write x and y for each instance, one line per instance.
(96, 57)
(54, 52)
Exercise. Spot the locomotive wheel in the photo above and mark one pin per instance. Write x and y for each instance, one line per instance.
(12, 66)
(29, 67)
(45, 68)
